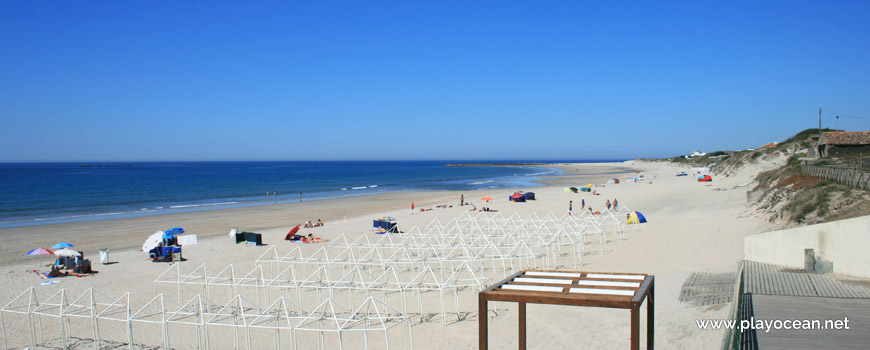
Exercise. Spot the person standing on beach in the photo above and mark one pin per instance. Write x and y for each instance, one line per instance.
(607, 204)
(300, 196)
(583, 203)
(615, 204)
(461, 200)
(570, 207)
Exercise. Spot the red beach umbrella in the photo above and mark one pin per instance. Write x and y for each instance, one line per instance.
(487, 199)
(412, 205)
(291, 233)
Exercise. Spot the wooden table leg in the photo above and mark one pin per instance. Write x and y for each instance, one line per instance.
(635, 328)
(522, 324)
(482, 316)
(650, 317)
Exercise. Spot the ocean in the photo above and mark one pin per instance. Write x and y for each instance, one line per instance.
(43, 193)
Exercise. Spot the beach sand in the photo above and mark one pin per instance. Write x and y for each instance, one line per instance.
(692, 228)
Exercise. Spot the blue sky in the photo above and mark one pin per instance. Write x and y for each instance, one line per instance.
(324, 80)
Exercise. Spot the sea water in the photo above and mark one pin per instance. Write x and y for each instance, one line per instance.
(41, 193)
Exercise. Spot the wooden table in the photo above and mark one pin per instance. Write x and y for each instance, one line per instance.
(596, 289)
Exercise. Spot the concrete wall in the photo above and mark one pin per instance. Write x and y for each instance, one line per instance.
(846, 243)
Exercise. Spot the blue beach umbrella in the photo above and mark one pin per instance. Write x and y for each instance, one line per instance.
(175, 231)
(62, 245)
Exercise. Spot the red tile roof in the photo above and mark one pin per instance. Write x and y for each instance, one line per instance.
(769, 145)
(847, 137)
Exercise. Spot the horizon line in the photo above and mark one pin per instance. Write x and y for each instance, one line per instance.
(552, 160)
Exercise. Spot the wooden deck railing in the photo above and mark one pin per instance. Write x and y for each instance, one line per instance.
(844, 176)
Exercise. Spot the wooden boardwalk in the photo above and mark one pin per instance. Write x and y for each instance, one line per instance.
(770, 307)
(768, 279)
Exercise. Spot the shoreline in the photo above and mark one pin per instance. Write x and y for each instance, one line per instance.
(124, 234)
(219, 203)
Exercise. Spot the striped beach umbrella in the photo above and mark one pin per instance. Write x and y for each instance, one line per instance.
(40, 251)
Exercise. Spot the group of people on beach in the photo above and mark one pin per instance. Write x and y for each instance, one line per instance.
(440, 206)
(608, 205)
(310, 238)
(474, 208)
(308, 224)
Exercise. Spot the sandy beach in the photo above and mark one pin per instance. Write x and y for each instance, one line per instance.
(692, 227)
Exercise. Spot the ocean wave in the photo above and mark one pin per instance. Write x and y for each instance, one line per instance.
(201, 205)
(140, 210)
(480, 182)
(62, 217)
(358, 188)
(373, 186)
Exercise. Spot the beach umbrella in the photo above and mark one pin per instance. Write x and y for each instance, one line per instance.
(62, 245)
(153, 241)
(40, 251)
(590, 185)
(412, 205)
(487, 199)
(292, 232)
(67, 252)
(175, 231)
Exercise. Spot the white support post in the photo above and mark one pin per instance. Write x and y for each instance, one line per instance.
(178, 276)
(129, 324)
(163, 323)
(5, 339)
(96, 329)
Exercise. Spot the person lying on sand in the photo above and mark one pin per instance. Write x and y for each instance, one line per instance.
(319, 223)
(312, 239)
(55, 272)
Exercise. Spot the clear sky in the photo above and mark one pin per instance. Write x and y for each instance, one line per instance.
(326, 80)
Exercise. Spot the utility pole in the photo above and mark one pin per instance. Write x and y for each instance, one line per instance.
(838, 122)
(820, 121)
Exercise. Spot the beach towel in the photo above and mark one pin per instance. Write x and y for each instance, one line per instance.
(48, 282)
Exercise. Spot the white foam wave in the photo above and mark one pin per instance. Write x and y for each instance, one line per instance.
(201, 205)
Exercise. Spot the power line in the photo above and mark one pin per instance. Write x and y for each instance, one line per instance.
(846, 115)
